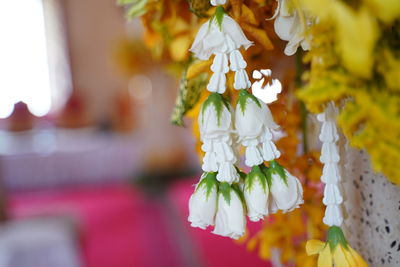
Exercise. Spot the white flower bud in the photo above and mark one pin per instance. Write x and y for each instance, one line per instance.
(241, 80)
(230, 220)
(227, 173)
(286, 190)
(256, 194)
(333, 215)
(213, 124)
(203, 202)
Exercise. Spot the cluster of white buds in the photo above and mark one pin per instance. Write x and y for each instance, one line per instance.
(330, 173)
(223, 193)
(215, 122)
(254, 125)
(219, 204)
(222, 37)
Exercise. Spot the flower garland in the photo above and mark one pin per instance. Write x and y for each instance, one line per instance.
(336, 251)
(224, 193)
(351, 41)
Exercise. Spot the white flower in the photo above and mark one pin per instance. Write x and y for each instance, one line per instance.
(256, 194)
(218, 2)
(210, 157)
(252, 117)
(230, 220)
(269, 150)
(332, 195)
(253, 153)
(333, 215)
(219, 67)
(267, 93)
(290, 25)
(238, 65)
(213, 39)
(227, 173)
(241, 80)
(286, 191)
(203, 202)
(329, 153)
(330, 172)
(212, 123)
(254, 123)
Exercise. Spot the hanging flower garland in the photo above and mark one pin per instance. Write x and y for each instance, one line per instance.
(336, 251)
(224, 191)
(353, 56)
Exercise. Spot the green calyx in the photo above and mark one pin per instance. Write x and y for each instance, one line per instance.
(209, 182)
(336, 237)
(243, 96)
(256, 173)
(264, 169)
(218, 101)
(219, 16)
(276, 168)
(225, 190)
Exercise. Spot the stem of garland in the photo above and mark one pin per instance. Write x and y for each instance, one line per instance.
(303, 110)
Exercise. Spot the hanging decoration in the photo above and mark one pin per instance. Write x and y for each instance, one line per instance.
(336, 251)
(265, 189)
(347, 66)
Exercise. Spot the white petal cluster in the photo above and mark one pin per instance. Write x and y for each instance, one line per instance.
(330, 173)
(222, 36)
(219, 204)
(215, 133)
(254, 125)
(267, 190)
(290, 25)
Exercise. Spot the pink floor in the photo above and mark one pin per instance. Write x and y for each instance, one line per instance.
(120, 227)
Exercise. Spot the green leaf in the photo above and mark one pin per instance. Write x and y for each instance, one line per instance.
(188, 95)
(210, 182)
(225, 190)
(243, 96)
(276, 168)
(218, 101)
(336, 237)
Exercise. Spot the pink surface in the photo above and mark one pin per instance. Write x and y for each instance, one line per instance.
(215, 251)
(118, 226)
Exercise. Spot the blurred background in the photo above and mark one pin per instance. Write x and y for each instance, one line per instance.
(92, 173)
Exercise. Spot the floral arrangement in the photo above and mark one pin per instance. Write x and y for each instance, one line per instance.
(347, 71)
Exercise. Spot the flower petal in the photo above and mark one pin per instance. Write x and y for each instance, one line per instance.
(314, 246)
(325, 258)
(359, 260)
(339, 257)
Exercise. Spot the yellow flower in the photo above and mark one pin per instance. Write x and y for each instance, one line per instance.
(335, 252)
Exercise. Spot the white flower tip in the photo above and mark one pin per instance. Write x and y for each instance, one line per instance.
(257, 75)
